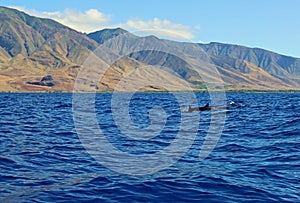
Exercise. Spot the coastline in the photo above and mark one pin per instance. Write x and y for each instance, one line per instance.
(150, 91)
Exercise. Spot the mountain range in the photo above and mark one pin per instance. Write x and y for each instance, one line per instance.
(39, 54)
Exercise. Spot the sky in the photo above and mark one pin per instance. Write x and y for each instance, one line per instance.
(269, 24)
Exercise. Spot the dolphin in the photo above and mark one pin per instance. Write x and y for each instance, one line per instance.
(207, 107)
(201, 108)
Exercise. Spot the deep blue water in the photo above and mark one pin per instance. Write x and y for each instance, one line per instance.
(257, 158)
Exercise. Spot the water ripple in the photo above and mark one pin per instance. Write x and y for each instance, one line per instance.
(256, 159)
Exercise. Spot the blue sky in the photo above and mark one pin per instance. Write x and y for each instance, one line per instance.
(268, 24)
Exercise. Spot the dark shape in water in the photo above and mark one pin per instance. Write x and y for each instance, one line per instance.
(207, 107)
(203, 108)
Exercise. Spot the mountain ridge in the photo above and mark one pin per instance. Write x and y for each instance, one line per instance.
(32, 48)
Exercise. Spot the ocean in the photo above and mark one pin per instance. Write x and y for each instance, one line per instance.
(49, 150)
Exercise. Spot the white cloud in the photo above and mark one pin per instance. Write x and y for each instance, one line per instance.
(201, 42)
(161, 28)
(88, 21)
(93, 20)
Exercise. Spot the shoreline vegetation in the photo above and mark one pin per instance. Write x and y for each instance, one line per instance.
(195, 91)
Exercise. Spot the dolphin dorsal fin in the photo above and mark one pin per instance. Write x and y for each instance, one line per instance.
(207, 105)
